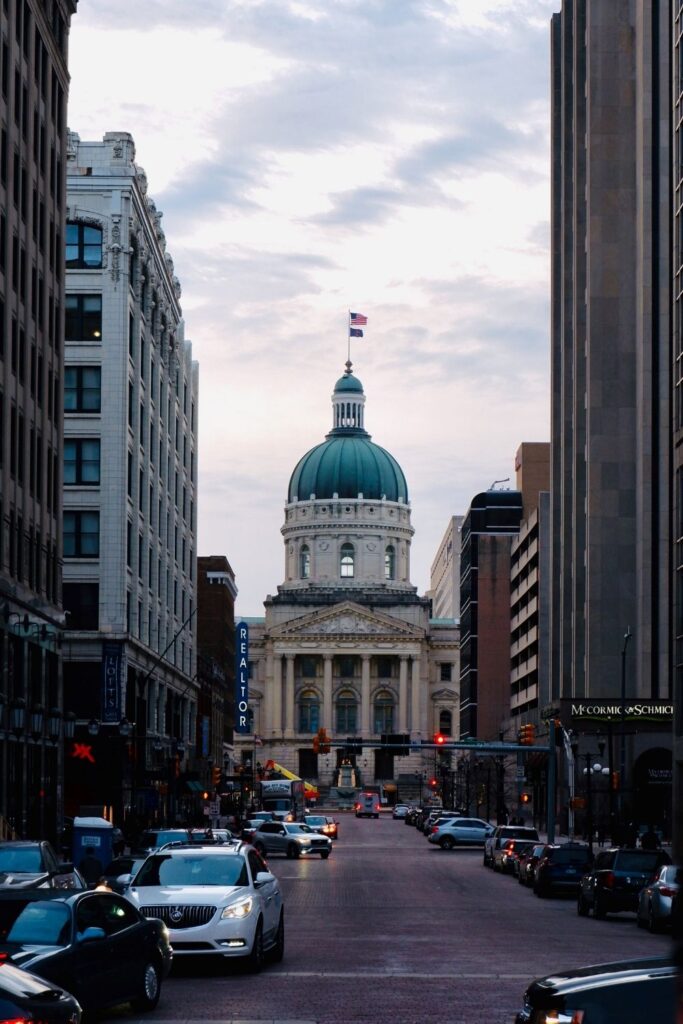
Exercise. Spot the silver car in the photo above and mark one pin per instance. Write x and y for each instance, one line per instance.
(292, 839)
(454, 831)
(654, 901)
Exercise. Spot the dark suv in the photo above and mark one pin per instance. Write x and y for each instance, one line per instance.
(616, 878)
(560, 867)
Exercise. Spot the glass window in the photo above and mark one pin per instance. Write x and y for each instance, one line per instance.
(117, 914)
(390, 563)
(83, 246)
(83, 317)
(81, 534)
(446, 672)
(347, 667)
(192, 869)
(82, 389)
(82, 461)
(308, 667)
(305, 562)
(81, 601)
(346, 561)
(445, 722)
(42, 924)
(385, 668)
(384, 712)
(309, 712)
(347, 712)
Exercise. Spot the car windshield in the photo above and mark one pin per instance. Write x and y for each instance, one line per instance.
(20, 859)
(196, 869)
(298, 828)
(42, 924)
(123, 866)
(636, 861)
(310, 820)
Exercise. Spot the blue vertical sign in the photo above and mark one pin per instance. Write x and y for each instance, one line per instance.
(242, 678)
(113, 669)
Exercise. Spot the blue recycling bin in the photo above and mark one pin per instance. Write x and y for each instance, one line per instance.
(92, 834)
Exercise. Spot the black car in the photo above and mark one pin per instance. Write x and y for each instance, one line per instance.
(615, 880)
(560, 868)
(629, 992)
(25, 997)
(94, 944)
(29, 864)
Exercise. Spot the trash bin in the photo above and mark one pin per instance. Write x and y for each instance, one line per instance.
(92, 846)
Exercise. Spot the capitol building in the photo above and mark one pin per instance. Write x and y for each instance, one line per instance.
(347, 644)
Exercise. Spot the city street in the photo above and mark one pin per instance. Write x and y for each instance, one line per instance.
(393, 929)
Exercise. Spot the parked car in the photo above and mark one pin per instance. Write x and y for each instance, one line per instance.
(249, 827)
(494, 842)
(96, 945)
(399, 811)
(119, 867)
(527, 863)
(628, 992)
(436, 816)
(322, 823)
(560, 867)
(512, 851)
(292, 839)
(615, 880)
(32, 864)
(656, 899)
(451, 832)
(153, 838)
(25, 997)
(214, 899)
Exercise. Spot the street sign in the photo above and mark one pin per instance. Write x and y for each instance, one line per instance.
(521, 774)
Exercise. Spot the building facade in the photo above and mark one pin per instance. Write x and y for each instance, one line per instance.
(347, 644)
(444, 579)
(677, 414)
(130, 495)
(610, 409)
(216, 593)
(34, 84)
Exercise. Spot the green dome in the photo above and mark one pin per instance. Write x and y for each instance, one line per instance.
(348, 383)
(348, 465)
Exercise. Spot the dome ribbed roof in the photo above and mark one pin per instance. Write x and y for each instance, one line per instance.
(348, 466)
(348, 383)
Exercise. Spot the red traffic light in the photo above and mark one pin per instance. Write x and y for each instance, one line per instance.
(432, 782)
(524, 798)
(439, 738)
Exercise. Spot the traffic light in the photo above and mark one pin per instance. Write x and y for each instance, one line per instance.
(527, 735)
(321, 742)
(615, 780)
(524, 798)
(439, 739)
(316, 743)
(216, 777)
(205, 795)
(433, 783)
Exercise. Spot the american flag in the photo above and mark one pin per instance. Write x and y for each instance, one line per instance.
(358, 320)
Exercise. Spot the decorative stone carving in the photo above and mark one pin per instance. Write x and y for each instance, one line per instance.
(141, 179)
(323, 545)
(115, 248)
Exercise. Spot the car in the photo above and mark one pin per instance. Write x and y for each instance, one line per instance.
(32, 864)
(118, 867)
(615, 879)
(656, 899)
(153, 838)
(291, 838)
(450, 832)
(25, 997)
(215, 900)
(399, 811)
(560, 868)
(527, 863)
(512, 851)
(628, 992)
(321, 823)
(95, 944)
(248, 828)
(494, 842)
(367, 805)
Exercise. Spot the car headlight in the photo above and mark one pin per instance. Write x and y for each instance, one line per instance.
(240, 909)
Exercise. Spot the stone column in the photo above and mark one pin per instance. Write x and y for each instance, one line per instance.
(268, 692)
(289, 696)
(416, 722)
(327, 692)
(365, 697)
(277, 693)
(403, 694)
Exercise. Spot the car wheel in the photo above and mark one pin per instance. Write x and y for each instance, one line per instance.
(151, 989)
(292, 850)
(495, 865)
(599, 908)
(446, 843)
(581, 907)
(260, 848)
(278, 950)
(254, 960)
(324, 854)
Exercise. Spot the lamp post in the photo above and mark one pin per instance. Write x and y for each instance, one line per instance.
(595, 768)
(622, 751)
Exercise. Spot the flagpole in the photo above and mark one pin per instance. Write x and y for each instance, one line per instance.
(348, 338)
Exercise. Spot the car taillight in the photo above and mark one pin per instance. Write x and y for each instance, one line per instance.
(377, 807)
(607, 879)
(558, 1017)
(666, 890)
(16, 1020)
(435, 828)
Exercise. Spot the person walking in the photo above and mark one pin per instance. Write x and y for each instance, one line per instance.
(91, 867)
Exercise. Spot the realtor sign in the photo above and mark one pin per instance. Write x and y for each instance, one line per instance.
(242, 678)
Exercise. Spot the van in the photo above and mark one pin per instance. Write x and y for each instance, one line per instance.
(367, 805)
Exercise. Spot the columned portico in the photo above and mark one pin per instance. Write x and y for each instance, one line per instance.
(327, 691)
(365, 695)
(289, 695)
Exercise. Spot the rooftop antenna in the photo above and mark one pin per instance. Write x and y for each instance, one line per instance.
(505, 480)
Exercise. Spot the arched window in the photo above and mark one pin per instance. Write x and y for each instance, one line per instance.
(83, 246)
(309, 711)
(347, 712)
(445, 723)
(346, 561)
(390, 563)
(384, 712)
(305, 562)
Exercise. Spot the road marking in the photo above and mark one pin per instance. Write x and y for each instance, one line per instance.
(392, 975)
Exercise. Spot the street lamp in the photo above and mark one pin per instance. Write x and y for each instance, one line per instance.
(596, 768)
(622, 750)
(17, 716)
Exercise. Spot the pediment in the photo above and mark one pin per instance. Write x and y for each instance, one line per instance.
(346, 620)
(448, 695)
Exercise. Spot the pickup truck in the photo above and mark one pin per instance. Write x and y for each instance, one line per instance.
(493, 843)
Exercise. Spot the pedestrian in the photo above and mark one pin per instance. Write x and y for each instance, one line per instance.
(91, 866)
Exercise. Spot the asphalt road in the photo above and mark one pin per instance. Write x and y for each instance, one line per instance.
(392, 929)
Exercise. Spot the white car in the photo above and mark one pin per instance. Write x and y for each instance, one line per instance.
(452, 831)
(214, 900)
(400, 811)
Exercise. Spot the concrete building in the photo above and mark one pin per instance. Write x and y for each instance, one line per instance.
(610, 369)
(347, 644)
(676, 195)
(444, 580)
(216, 593)
(34, 83)
(130, 493)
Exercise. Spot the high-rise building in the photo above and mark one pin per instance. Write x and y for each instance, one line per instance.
(610, 486)
(677, 418)
(34, 83)
(130, 494)
(216, 593)
(444, 580)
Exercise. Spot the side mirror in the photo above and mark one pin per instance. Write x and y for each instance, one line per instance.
(124, 879)
(91, 934)
(263, 877)
(64, 869)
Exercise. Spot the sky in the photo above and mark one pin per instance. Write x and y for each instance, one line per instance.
(314, 156)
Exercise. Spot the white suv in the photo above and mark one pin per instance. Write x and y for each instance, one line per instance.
(213, 900)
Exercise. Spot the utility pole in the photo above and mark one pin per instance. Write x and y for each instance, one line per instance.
(622, 758)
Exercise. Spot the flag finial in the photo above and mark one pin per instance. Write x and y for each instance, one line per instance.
(349, 364)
